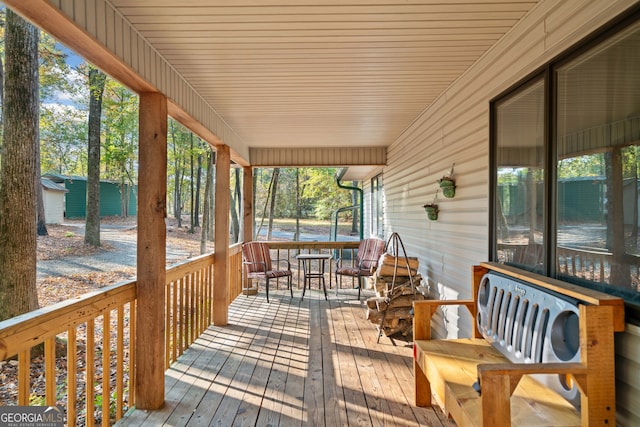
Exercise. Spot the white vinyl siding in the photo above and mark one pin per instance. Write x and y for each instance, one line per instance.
(455, 129)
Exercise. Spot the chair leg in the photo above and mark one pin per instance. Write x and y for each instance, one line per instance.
(267, 288)
(359, 286)
(290, 286)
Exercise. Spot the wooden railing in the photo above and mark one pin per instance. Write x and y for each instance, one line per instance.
(189, 295)
(98, 331)
(590, 264)
(585, 263)
(92, 338)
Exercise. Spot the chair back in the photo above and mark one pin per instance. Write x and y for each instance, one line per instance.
(369, 252)
(257, 252)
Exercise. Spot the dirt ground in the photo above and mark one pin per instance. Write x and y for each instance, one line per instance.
(66, 242)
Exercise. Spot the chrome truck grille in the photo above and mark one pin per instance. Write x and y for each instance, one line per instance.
(530, 325)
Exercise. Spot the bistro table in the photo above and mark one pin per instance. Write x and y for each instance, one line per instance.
(308, 270)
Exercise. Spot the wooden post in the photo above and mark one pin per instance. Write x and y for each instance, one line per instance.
(421, 331)
(247, 200)
(221, 246)
(151, 261)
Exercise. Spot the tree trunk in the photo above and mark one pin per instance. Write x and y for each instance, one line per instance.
(206, 215)
(235, 204)
(177, 188)
(1, 92)
(211, 227)
(615, 219)
(41, 220)
(191, 187)
(634, 176)
(272, 207)
(296, 235)
(198, 185)
(354, 213)
(97, 81)
(17, 193)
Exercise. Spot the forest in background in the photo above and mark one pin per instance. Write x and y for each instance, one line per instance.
(65, 96)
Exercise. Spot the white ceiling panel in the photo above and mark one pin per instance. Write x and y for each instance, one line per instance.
(321, 73)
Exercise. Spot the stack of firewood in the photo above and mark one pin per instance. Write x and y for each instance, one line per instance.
(391, 308)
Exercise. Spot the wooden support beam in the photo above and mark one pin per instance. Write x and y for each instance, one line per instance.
(221, 258)
(247, 200)
(151, 262)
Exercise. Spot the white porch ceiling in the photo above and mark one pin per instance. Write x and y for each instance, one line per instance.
(321, 73)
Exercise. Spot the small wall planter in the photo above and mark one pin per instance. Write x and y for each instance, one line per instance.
(432, 211)
(448, 186)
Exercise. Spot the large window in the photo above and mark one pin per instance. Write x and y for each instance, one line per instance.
(566, 153)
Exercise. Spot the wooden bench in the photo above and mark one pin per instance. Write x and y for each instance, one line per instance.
(542, 353)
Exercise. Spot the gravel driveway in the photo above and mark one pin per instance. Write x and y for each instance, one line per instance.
(123, 254)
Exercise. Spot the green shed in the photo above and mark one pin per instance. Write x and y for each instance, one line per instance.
(112, 203)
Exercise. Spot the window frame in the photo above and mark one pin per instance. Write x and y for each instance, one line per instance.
(549, 73)
(377, 206)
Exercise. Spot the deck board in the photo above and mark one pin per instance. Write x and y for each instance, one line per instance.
(292, 362)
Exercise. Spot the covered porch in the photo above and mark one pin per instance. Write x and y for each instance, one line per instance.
(291, 362)
(407, 100)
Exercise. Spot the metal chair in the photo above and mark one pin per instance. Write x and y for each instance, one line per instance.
(256, 259)
(365, 264)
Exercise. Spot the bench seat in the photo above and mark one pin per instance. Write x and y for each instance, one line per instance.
(541, 353)
(451, 366)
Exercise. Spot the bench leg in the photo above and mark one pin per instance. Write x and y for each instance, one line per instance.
(596, 331)
(496, 400)
(422, 386)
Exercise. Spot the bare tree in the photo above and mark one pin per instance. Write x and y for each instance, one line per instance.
(18, 170)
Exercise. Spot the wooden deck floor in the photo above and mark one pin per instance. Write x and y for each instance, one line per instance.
(292, 363)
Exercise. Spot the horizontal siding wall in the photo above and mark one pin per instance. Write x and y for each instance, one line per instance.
(455, 129)
(102, 22)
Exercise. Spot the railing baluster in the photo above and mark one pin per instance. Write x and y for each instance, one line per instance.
(183, 316)
(120, 363)
(24, 377)
(72, 362)
(50, 370)
(106, 367)
(174, 323)
(167, 328)
(132, 354)
(192, 309)
(90, 373)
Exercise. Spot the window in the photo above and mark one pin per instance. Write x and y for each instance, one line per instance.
(377, 213)
(519, 156)
(565, 158)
